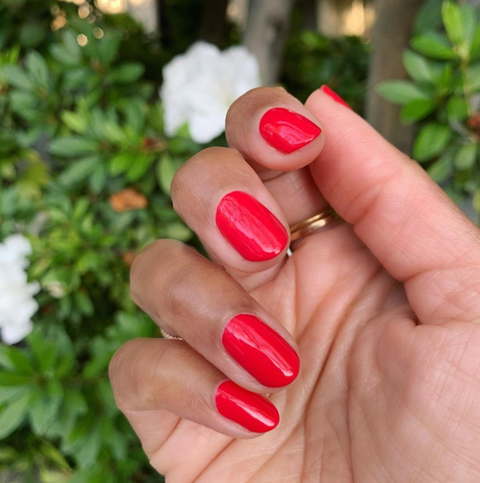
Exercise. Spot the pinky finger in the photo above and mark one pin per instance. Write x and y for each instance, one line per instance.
(154, 374)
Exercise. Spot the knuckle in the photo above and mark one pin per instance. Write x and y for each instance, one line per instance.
(150, 263)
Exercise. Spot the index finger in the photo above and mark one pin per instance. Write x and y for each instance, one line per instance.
(405, 219)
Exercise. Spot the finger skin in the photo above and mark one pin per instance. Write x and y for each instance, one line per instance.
(224, 201)
(406, 220)
(282, 172)
(153, 374)
(188, 295)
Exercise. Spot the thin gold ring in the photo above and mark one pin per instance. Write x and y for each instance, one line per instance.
(168, 336)
(313, 224)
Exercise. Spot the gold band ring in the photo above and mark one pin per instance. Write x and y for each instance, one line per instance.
(313, 224)
(168, 336)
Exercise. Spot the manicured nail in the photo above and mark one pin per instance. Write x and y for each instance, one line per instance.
(261, 351)
(286, 130)
(252, 411)
(250, 227)
(334, 96)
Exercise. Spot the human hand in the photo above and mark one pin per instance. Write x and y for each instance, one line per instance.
(383, 310)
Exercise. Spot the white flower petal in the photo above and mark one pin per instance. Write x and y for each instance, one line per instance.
(13, 334)
(17, 305)
(200, 85)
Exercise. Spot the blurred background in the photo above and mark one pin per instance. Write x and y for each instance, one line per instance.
(101, 102)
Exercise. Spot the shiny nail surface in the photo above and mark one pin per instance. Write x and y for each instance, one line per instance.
(252, 411)
(334, 96)
(250, 227)
(261, 351)
(286, 130)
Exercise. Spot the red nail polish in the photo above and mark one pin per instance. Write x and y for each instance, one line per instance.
(252, 411)
(334, 96)
(250, 227)
(261, 351)
(286, 130)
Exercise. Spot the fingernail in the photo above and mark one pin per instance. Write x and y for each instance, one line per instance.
(334, 96)
(252, 411)
(286, 130)
(261, 351)
(250, 227)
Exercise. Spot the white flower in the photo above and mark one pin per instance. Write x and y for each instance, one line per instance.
(17, 304)
(200, 85)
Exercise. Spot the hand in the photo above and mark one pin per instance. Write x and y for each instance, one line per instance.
(383, 310)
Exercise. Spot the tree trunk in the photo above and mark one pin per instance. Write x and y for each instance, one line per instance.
(391, 35)
(267, 26)
(213, 24)
(309, 13)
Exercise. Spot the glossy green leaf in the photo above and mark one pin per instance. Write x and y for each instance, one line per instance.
(466, 156)
(431, 141)
(72, 146)
(434, 46)
(416, 110)
(17, 77)
(417, 67)
(475, 45)
(80, 169)
(441, 169)
(127, 73)
(75, 121)
(37, 68)
(400, 92)
(457, 109)
(13, 415)
(453, 20)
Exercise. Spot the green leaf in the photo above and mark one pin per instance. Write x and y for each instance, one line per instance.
(453, 21)
(178, 231)
(12, 416)
(121, 162)
(431, 140)
(72, 146)
(17, 359)
(9, 378)
(457, 109)
(416, 110)
(98, 178)
(429, 16)
(472, 78)
(17, 77)
(166, 169)
(417, 67)
(476, 200)
(44, 407)
(465, 157)
(74, 121)
(127, 73)
(433, 45)
(80, 170)
(139, 167)
(400, 92)
(8, 393)
(475, 45)
(37, 68)
(469, 19)
(44, 350)
(441, 169)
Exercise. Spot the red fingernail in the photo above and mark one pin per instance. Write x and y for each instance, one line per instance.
(250, 227)
(334, 96)
(286, 130)
(252, 411)
(264, 353)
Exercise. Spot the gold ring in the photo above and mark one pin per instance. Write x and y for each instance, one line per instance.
(313, 224)
(168, 336)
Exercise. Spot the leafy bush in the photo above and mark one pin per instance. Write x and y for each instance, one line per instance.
(311, 59)
(444, 96)
(85, 172)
